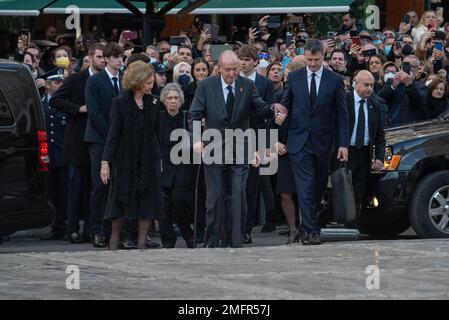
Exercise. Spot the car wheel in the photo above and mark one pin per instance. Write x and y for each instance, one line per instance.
(387, 229)
(429, 206)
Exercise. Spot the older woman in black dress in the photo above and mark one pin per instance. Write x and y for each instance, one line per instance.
(132, 154)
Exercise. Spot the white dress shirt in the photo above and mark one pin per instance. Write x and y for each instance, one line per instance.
(318, 76)
(251, 76)
(112, 76)
(225, 89)
(357, 100)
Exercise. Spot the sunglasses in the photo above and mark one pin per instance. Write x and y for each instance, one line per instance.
(265, 56)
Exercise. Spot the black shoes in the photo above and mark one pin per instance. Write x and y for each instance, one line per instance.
(246, 238)
(99, 241)
(268, 227)
(128, 244)
(311, 239)
(75, 237)
(54, 236)
(150, 244)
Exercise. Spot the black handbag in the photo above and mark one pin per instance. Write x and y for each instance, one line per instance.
(343, 195)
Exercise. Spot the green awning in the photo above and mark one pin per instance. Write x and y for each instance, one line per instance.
(33, 7)
(212, 6)
(22, 7)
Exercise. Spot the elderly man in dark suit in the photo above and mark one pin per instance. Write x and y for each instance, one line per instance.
(101, 89)
(226, 102)
(367, 135)
(70, 99)
(316, 100)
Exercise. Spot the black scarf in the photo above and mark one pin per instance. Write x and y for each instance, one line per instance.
(134, 171)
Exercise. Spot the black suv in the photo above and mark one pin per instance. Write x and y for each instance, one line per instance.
(413, 189)
(23, 152)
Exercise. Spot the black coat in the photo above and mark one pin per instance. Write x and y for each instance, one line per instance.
(69, 98)
(55, 122)
(411, 103)
(99, 93)
(179, 174)
(375, 125)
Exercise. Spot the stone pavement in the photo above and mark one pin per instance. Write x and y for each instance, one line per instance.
(409, 269)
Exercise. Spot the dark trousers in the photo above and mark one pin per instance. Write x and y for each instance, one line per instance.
(58, 180)
(178, 207)
(98, 193)
(311, 173)
(359, 164)
(78, 198)
(225, 203)
(255, 186)
(200, 185)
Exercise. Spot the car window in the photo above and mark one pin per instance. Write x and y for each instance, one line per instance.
(6, 118)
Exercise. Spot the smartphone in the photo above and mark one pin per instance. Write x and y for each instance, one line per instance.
(353, 34)
(406, 19)
(439, 45)
(25, 37)
(406, 67)
(330, 35)
(217, 49)
(369, 53)
(356, 41)
(173, 49)
(437, 65)
(274, 22)
(274, 52)
(176, 40)
(288, 38)
(129, 35)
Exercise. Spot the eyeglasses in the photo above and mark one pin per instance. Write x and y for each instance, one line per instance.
(265, 56)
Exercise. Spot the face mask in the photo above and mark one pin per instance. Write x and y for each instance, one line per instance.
(184, 79)
(387, 50)
(300, 51)
(388, 76)
(165, 63)
(263, 63)
(63, 62)
(153, 60)
(377, 42)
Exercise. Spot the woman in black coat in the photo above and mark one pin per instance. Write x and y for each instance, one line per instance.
(437, 97)
(131, 158)
(200, 71)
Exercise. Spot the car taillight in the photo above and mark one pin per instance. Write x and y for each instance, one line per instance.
(391, 162)
(44, 158)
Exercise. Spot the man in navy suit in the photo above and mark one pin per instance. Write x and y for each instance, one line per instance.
(318, 117)
(249, 59)
(101, 89)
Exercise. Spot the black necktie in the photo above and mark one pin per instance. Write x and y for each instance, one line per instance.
(360, 133)
(230, 102)
(115, 79)
(312, 94)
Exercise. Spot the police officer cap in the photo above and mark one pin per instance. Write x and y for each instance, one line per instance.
(52, 75)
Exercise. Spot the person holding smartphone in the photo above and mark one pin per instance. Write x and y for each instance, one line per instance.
(428, 23)
(405, 103)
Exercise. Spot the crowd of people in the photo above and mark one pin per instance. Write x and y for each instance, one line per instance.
(111, 106)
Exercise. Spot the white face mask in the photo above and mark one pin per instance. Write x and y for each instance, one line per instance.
(153, 60)
(263, 63)
(388, 76)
